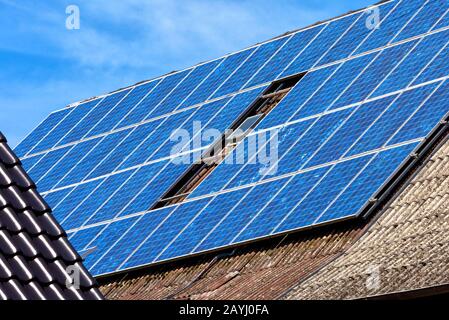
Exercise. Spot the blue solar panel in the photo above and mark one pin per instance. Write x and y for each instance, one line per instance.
(86, 127)
(65, 126)
(295, 45)
(259, 57)
(309, 57)
(367, 99)
(40, 132)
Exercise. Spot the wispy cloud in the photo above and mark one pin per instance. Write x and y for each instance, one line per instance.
(45, 66)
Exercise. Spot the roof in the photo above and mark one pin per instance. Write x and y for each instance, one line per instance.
(34, 251)
(406, 243)
(407, 246)
(363, 123)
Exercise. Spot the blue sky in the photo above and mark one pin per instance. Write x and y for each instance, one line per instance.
(44, 66)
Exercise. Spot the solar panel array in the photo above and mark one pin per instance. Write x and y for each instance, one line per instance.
(369, 98)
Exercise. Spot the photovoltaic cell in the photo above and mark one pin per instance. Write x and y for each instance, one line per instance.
(40, 132)
(86, 126)
(261, 55)
(366, 99)
(309, 57)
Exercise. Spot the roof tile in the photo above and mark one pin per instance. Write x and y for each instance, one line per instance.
(34, 251)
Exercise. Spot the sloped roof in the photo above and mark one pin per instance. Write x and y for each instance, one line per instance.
(34, 250)
(406, 244)
(406, 249)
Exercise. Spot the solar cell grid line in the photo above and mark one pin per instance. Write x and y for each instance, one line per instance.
(153, 211)
(385, 144)
(77, 173)
(152, 101)
(29, 152)
(305, 48)
(55, 199)
(310, 127)
(158, 173)
(86, 156)
(185, 88)
(247, 193)
(281, 59)
(123, 164)
(423, 53)
(288, 221)
(117, 125)
(444, 22)
(144, 243)
(441, 21)
(73, 118)
(417, 86)
(96, 113)
(401, 104)
(348, 30)
(40, 130)
(157, 222)
(165, 166)
(315, 65)
(123, 170)
(136, 172)
(231, 101)
(430, 11)
(131, 131)
(181, 104)
(287, 183)
(108, 123)
(397, 8)
(263, 221)
(317, 119)
(393, 93)
(270, 180)
(114, 231)
(267, 61)
(72, 198)
(212, 95)
(347, 187)
(135, 156)
(381, 36)
(92, 129)
(405, 41)
(46, 163)
(222, 72)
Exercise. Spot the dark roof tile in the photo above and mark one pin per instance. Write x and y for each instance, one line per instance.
(36, 258)
(7, 157)
(12, 290)
(54, 292)
(49, 224)
(29, 223)
(9, 220)
(34, 291)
